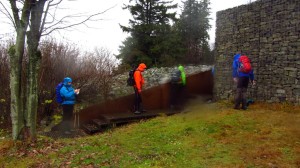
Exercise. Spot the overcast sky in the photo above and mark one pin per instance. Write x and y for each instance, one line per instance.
(106, 32)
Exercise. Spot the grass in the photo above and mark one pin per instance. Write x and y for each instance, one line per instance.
(213, 135)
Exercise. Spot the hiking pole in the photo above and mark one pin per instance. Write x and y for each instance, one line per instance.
(75, 120)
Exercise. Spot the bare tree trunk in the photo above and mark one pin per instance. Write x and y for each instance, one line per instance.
(33, 67)
(16, 56)
(32, 92)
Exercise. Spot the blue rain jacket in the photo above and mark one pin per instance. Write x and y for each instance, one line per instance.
(235, 69)
(67, 92)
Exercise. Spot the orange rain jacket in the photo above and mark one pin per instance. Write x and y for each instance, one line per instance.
(138, 78)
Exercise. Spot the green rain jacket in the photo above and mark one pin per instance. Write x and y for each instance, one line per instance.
(183, 77)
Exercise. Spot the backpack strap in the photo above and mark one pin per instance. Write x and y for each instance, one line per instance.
(135, 71)
(67, 89)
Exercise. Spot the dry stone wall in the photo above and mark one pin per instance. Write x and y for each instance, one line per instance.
(268, 32)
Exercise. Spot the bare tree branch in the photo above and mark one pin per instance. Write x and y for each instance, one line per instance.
(63, 23)
(89, 18)
(53, 16)
(47, 12)
(54, 3)
(15, 13)
(25, 13)
(7, 14)
(62, 20)
(45, 16)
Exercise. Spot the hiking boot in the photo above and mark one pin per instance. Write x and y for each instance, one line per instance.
(143, 110)
(137, 112)
(244, 108)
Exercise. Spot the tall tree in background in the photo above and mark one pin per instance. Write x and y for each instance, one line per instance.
(149, 29)
(194, 26)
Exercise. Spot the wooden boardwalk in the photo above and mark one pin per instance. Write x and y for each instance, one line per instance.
(109, 114)
(111, 120)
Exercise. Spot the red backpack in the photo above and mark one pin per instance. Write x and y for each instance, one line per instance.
(244, 64)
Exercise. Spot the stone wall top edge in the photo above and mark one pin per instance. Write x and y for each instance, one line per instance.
(240, 7)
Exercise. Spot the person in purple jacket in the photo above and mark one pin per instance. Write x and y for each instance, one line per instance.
(242, 81)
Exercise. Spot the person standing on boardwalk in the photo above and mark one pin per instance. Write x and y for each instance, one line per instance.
(178, 82)
(139, 82)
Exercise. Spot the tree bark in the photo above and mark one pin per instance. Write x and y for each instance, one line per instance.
(34, 54)
(15, 86)
(32, 91)
(16, 56)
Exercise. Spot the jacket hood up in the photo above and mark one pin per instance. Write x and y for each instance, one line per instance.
(142, 67)
(66, 81)
(236, 57)
(181, 69)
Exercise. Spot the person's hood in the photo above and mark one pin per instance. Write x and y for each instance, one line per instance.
(236, 56)
(180, 68)
(142, 67)
(66, 81)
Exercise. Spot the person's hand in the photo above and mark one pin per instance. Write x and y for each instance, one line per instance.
(253, 83)
(140, 90)
(77, 91)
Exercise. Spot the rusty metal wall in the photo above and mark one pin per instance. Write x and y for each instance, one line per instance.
(153, 98)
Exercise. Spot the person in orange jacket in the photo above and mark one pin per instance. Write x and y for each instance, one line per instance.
(139, 82)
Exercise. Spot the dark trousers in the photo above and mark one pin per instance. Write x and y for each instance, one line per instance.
(174, 92)
(137, 100)
(67, 116)
(176, 95)
(241, 92)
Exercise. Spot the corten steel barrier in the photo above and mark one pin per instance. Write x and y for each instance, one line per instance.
(153, 99)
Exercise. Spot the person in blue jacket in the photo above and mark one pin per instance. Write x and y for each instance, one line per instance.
(242, 81)
(68, 95)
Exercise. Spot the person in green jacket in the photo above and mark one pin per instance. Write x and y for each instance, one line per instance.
(183, 77)
(178, 82)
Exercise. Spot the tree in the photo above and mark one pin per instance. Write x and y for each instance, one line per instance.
(24, 99)
(149, 29)
(194, 26)
(16, 57)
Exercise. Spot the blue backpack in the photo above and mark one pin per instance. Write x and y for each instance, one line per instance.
(59, 99)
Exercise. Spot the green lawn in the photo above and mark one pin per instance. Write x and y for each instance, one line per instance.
(212, 135)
